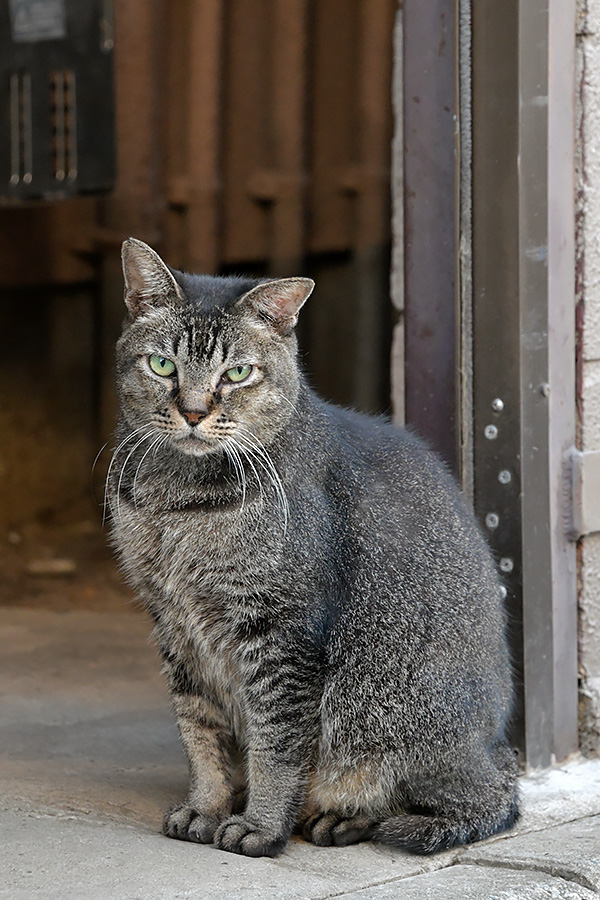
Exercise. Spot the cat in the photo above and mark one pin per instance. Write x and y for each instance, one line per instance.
(322, 598)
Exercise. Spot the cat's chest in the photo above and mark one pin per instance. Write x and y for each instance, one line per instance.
(209, 554)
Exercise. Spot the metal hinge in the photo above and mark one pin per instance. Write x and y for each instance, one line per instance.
(583, 479)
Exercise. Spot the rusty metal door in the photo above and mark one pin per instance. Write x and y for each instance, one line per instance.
(276, 160)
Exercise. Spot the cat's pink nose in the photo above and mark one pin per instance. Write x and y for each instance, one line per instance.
(193, 416)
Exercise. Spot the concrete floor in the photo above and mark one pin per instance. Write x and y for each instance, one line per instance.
(90, 759)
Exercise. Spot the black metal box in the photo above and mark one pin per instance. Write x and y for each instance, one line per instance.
(57, 137)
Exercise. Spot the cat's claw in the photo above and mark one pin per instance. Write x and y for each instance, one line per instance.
(330, 829)
(238, 835)
(187, 824)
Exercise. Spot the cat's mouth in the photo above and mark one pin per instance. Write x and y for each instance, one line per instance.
(194, 443)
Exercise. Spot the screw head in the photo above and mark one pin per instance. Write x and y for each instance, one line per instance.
(504, 476)
(492, 520)
(506, 564)
(497, 404)
(503, 592)
(491, 432)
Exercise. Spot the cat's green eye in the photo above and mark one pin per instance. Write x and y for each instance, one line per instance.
(161, 365)
(238, 373)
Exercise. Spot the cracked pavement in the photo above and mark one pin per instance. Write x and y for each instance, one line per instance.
(90, 758)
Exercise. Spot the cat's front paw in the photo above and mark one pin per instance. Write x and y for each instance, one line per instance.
(238, 835)
(186, 823)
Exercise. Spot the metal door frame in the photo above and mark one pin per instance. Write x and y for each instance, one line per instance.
(489, 271)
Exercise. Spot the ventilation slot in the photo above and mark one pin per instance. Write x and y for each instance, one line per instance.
(64, 124)
(19, 86)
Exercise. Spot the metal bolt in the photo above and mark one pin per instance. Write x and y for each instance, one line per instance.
(504, 476)
(506, 564)
(497, 404)
(503, 592)
(492, 520)
(491, 432)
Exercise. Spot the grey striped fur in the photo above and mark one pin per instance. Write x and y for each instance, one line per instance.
(324, 603)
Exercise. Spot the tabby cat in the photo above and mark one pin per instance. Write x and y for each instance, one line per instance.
(324, 603)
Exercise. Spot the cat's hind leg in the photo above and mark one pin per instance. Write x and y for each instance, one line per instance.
(330, 829)
(346, 802)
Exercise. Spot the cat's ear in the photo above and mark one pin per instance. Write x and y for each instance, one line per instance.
(280, 301)
(148, 280)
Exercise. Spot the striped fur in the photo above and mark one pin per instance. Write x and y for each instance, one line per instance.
(323, 601)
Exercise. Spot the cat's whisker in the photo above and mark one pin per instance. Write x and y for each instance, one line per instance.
(231, 461)
(234, 456)
(96, 458)
(107, 502)
(247, 455)
(124, 466)
(264, 459)
(155, 447)
(289, 402)
(161, 439)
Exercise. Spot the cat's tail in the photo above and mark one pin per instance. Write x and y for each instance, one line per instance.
(424, 834)
(468, 803)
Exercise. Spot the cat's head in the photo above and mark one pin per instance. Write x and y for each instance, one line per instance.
(204, 361)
